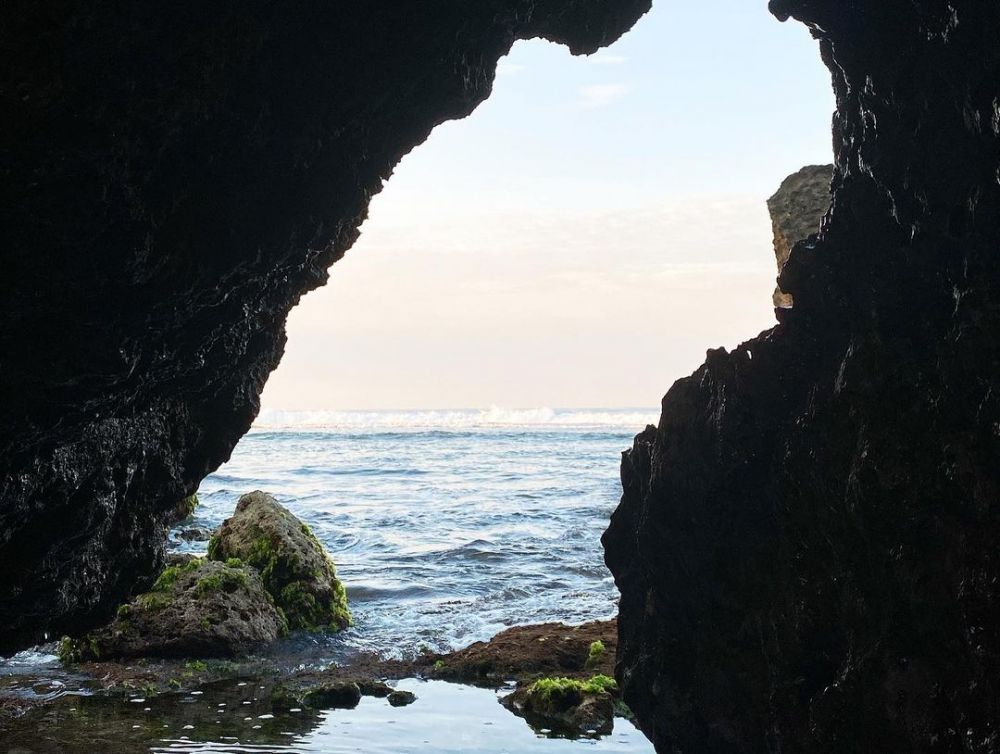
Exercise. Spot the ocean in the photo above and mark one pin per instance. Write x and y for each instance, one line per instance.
(446, 526)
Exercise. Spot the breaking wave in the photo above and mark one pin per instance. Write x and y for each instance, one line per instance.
(493, 417)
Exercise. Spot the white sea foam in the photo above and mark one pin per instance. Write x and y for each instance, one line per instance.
(494, 416)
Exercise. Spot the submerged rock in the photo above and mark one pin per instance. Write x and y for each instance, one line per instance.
(200, 609)
(565, 705)
(296, 570)
(399, 698)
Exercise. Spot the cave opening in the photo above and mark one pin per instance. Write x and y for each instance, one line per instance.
(524, 286)
(804, 547)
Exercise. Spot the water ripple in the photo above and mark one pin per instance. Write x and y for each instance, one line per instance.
(444, 535)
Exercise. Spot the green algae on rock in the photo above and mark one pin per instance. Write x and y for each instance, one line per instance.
(339, 695)
(568, 705)
(400, 698)
(595, 652)
(296, 571)
(327, 693)
(183, 510)
(198, 609)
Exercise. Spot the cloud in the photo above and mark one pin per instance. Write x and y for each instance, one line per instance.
(606, 59)
(602, 95)
(508, 69)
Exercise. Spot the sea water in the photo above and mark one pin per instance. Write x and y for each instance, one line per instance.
(445, 526)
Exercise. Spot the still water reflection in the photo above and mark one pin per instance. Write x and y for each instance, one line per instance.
(237, 717)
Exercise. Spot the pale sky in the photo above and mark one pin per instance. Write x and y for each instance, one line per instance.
(584, 235)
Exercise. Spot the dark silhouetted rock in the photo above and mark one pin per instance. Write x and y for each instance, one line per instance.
(175, 176)
(797, 208)
(199, 609)
(344, 695)
(808, 543)
(296, 570)
(312, 690)
(400, 698)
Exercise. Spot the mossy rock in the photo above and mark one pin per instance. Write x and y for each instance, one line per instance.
(399, 698)
(568, 706)
(183, 510)
(198, 609)
(296, 571)
(595, 653)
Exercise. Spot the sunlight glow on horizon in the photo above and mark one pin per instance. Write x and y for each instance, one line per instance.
(583, 237)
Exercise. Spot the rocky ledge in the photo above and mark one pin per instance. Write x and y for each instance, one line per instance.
(561, 675)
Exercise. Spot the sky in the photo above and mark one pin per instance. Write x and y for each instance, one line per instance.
(584, 236)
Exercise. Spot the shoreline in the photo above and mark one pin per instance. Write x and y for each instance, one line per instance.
(514, 657)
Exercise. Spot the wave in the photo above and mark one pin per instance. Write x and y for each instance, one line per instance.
(495, 416)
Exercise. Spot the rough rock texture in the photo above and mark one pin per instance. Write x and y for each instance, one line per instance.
(399, 698)
(173, 177)
(797, 208)
(566, 707)
(201, 609)
(333, 696)
(297, 573)
(808, 545)
(525, 653)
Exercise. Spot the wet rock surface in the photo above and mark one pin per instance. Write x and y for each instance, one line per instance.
(569, 707)
(518, 655)
(263, 566)
(175, 178)
(807, 542)
(401, 698)
(525, 653)
(343, 695)
(295, 568)
(199, 609)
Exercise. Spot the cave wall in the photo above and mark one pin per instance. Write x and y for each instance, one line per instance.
(173, 177)
(808, 543)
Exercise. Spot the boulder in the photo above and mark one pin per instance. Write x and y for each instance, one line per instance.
(194, 534)
(327, 695)
(340, 695)
(296, 571)
(200, 609)
(797, 209)
(399, 698)
(566, 706)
